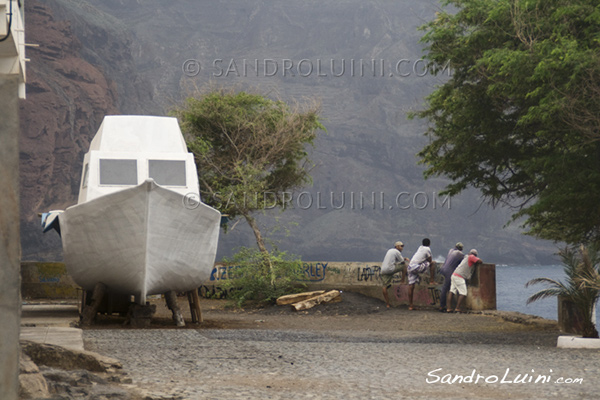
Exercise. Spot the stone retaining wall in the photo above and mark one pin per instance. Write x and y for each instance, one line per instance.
(50, 280)
(47, 280)
(365, 278)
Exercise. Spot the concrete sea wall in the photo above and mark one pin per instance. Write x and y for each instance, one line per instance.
(50, 280)
(365, 278)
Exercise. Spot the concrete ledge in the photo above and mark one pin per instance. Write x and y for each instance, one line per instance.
(576, 342)
(69, 338)
(51, 324)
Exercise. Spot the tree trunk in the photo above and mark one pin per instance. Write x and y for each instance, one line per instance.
(589, 331)
(261, 245)
(572, 318)
(259, 239)
(589, 325)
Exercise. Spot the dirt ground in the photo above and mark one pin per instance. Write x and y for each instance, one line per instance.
(355, 312)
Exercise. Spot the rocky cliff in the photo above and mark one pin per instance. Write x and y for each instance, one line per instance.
(68, 94)
(359, 58)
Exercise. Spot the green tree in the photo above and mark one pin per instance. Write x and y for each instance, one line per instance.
(582, 271)
(250, 151)
(519, 119)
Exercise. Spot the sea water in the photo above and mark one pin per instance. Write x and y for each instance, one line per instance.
(512, 295)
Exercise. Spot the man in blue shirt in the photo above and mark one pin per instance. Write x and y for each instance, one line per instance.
(455, 256)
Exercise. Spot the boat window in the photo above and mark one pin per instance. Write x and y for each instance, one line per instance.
(167, 172)
(85, 176)
(118, 172)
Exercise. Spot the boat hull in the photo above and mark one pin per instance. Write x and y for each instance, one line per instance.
(140, 241)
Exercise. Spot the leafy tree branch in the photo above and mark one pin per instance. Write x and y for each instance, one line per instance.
(519, 119)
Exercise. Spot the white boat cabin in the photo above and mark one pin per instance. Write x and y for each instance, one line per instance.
(129, 149)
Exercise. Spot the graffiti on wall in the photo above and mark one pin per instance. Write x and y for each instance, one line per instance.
(314, 272)
(223, 272)
(435, 295)
(213, 292)
(368, 273)
(372, 273)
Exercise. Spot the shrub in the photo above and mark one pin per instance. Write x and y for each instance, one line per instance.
(263, 278)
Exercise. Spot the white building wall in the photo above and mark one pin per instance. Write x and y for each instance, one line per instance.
(12, 87)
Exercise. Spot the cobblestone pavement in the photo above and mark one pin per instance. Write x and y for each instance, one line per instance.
(292, 364)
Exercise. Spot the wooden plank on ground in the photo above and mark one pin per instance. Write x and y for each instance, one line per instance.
(329, 297)
(295, 298)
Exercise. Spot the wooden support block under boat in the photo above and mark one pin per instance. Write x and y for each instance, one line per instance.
(89, 311)
(195, 310)
(140, 316)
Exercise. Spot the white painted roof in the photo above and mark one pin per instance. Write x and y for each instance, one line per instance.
(137, 141)
(142, 133)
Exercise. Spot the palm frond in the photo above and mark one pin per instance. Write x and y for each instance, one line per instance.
(544, 294)
(593, 284)
(582, 283)
(547, 281)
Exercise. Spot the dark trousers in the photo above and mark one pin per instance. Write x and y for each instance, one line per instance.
(445, 287)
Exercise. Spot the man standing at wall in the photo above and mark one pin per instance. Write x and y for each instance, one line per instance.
(393, 262)
(458, 284)
(419, 263)
(455, 256)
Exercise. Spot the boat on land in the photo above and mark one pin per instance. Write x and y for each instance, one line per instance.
(139, 225)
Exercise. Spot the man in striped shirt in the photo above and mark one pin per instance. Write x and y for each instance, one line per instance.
(420, 263)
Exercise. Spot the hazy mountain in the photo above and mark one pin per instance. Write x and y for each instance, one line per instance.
(360, 59)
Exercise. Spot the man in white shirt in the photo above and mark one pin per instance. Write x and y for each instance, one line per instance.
(419, 263)
(393, 262)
